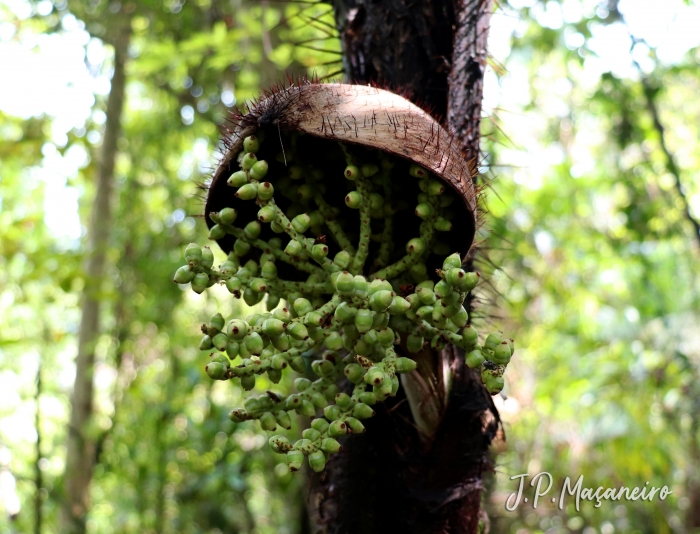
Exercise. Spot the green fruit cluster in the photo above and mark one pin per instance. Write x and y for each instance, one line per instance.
(352, 321)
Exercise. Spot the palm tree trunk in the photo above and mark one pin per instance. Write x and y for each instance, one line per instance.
(395, 478)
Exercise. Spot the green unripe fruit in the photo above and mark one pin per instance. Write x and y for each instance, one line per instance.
(259, 170)
(368, 398)
(493, 340)
(345, 283)
(200, 282)
(426, 296)
(385, 337)
(374, 376)
(331, 446)
(265, 190)
(436, 187)
(343, 401)
(301, 223)
(279, 444)
(293, 248)
(399, 306)
(249, 159)
(237, 179)
(282, 314)
(237, 329)
(342, 259)
(351, 172)
(311, 434)
(251, 144)
(363, 321)
(307, 409)
(306, 191)
(273, 327)
(317, 461)
(331, 413)
(254, 343)
(228, 268)
(345, 313)
(376, 201)
(297, 331)
(294, 460)
(337, 428)
(268, 421)
(220, 341)
(425, 312)
(383, 390)
(322, 368)
(405, 365)
(216, 371)
(184, 275)
(424, 210)
(247, 192)
(362, 411)
(334, 341)
(470, 282)
(207, 258)
(252, 230)
(193, 252)
(276, 227)
(354, 372)
(269, 271)
(414, 343)
(354, 344)
(381, 300)
(284, 421)
(417, 171)
(470, 335)
(319, 251)
(248, 382)
(355, 426)
(442, 225)
(313, 319)
(258, 285)
(240, 247)
(232, 349)
(296, 172)
(369, 169)
(494, 384)
(460, 318)
(453, 261)
(361, 286)
(415, 246)
(501, 354)
(474, 359)
(353, 200)
(455, 277)
(302, 306)
(320, 424)
(266, 214)
(252, 404)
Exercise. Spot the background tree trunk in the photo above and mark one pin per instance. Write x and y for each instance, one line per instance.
(80, 456)
(395, 477)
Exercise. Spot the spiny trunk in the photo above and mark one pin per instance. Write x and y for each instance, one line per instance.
(395, 477)
(80, 456)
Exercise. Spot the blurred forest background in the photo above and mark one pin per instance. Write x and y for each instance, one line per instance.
(591, 143)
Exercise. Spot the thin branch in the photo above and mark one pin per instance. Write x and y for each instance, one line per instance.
(671, 165)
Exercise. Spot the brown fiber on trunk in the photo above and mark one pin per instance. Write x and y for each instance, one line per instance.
(395, 478)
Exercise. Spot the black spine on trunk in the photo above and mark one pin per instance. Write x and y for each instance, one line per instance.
(389, 479)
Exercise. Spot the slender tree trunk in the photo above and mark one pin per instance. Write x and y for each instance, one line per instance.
(395, 478)
(81, 446)
(38, 475)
